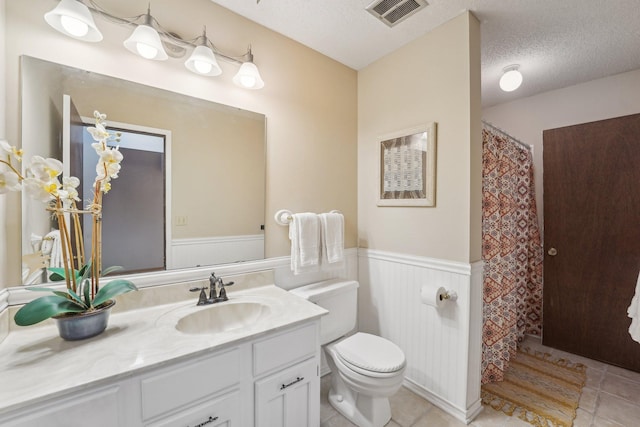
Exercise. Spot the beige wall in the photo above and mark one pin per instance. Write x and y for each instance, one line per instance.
(434, 78)
(310, 100)
(526, 118)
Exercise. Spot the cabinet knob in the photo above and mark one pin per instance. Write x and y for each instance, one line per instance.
(553, 252)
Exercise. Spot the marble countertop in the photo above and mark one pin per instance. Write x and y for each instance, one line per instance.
(35, 363)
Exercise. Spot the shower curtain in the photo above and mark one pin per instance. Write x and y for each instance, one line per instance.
(512, 251)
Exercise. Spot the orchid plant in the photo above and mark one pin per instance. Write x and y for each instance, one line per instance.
(41, 181)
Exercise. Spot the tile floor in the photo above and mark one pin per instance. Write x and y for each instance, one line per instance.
(610, 398)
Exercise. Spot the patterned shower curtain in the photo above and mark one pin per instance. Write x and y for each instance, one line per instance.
(512, 252)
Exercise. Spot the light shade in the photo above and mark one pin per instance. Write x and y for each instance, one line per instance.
(74, 19)
(511, 79)
(145, 41)
(203, 61)
(248, 76)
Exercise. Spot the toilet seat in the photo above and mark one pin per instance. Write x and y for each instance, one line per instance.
(370, 355)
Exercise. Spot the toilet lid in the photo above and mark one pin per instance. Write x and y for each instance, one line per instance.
(371, 353)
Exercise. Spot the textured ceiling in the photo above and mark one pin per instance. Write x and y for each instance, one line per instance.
(557, 43)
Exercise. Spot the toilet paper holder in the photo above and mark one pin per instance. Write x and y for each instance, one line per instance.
(449, 296)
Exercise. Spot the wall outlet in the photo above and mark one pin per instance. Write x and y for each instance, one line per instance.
(181, 220)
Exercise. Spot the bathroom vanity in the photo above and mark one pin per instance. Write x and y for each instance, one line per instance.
(251, 361)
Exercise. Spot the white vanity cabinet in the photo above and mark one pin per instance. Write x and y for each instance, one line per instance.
(269, 381)
(101, 407)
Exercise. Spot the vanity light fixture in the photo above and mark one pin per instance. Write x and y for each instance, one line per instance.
(511, 78)
(145, 40)
(203, 60)
(74, 18)
(248, 75)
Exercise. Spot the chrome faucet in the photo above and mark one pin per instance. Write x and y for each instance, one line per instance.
(213, 297)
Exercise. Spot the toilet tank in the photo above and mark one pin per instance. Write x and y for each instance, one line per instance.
(340, 298)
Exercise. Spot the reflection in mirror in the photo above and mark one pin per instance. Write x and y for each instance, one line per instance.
(192, 196)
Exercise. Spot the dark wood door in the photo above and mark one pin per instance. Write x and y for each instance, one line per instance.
(592, 238)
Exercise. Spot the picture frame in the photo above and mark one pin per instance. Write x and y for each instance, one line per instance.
(407, 167)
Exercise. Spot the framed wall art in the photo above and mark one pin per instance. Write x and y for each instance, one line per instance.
(407, 167)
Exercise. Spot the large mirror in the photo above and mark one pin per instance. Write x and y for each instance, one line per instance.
(191, 191)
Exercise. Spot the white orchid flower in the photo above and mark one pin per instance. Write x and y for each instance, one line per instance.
(98, 116)
(69, 190)
(11, 150)
(43, 191)
(109, 164)
(44, 169)
(9, 181)
(99, 132)
(70, 182)
(4, 145)
(99, 147)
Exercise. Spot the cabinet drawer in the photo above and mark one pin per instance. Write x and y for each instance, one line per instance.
(224, 411)
(284, 349)
(184, 384)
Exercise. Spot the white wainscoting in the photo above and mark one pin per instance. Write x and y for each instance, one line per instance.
(189, 253)
(4, 314)
(442, 345)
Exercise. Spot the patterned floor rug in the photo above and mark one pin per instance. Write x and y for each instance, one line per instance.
(538, 390)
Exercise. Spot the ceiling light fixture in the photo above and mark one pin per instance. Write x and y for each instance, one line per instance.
(511, 78)
(74, 18)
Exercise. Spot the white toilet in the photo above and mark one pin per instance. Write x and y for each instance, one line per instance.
(365, 369)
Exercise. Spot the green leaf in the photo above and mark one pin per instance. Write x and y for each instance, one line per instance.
(85, 271)
(57, 274)
(53, 291)
(112, 289)
(40, 289)
(43, 308)
(111, 269)
(77, 298)
(86, 292)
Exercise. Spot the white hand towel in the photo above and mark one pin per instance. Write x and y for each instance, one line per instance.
(304, 232)
(333, 236)
(52, 246)
(634, 313)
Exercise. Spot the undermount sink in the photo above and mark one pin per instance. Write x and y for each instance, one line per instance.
(222, 317)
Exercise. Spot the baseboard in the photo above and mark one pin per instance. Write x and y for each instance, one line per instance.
(464, 415)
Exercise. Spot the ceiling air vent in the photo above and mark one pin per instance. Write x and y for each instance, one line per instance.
(392, 12)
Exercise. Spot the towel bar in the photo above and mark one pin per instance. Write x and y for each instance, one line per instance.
(285, 216)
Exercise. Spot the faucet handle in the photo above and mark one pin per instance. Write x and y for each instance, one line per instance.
(222, 296)
(202, 298)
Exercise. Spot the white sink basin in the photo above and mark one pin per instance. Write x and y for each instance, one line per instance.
(222, 317)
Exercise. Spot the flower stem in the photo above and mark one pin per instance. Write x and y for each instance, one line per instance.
(77, 229)
(67, 262)
(20, 177)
